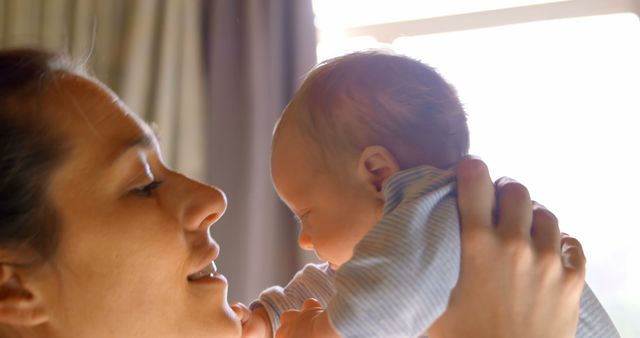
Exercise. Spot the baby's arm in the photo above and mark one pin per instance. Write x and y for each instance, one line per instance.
(255, 324)
(313, 281)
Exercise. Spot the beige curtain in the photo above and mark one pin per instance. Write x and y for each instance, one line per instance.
(257, 53)
(148, 51)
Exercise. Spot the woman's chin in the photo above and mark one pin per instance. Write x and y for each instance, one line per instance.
(226, 324)
(211, 292)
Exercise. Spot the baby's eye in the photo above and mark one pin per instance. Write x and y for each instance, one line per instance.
(147, 190)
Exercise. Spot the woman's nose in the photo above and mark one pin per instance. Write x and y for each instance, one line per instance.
(201, 205)
(208, 207)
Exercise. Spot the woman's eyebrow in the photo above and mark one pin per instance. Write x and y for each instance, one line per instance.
(145, 140)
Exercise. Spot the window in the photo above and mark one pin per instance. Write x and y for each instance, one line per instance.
(551, 93)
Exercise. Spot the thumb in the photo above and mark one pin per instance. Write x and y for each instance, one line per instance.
(242, 311)
(311, 303)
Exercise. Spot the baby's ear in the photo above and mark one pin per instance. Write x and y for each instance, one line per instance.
(376, 165)
(18, 305)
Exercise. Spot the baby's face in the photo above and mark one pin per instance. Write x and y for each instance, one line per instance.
(334, 212)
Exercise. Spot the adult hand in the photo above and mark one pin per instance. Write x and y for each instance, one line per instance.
(519, 277)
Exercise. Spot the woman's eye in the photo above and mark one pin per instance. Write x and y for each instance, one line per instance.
(147, 190)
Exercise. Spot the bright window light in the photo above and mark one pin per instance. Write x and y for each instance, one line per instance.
(339, 14)
(555, 105)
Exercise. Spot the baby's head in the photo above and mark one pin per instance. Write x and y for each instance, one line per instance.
(354, 122)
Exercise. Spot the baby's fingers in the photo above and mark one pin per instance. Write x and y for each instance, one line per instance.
(288, 317)
(241, 311)
(311, 304)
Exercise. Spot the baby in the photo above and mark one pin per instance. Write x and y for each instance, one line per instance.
(364, 156)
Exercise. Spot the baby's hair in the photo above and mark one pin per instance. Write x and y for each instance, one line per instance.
(379, 98)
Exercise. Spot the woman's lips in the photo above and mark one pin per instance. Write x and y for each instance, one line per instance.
(209, 271)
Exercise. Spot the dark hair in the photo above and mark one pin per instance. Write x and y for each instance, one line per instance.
(29, 152)
(378, 97)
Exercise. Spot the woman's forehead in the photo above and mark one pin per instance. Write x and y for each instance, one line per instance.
(98, 129)
(96, 125)
(85, 108)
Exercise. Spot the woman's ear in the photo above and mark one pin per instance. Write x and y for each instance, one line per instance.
(376, 165)
(18, 305)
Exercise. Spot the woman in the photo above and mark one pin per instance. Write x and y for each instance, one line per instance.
(98, 238)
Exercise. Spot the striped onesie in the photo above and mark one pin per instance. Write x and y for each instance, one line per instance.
(401, 274)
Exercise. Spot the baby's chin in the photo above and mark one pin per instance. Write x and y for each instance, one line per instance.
(335, 264)
(335, 261)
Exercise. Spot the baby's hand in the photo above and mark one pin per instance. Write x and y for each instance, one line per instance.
(311, 321)
(255, 324)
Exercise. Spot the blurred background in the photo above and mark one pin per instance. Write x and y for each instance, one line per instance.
(551, 88)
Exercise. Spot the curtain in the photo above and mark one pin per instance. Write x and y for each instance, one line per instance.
(257, 53)
(148, 51)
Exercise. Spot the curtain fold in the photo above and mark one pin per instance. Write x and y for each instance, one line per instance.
(147, 51)
(257, 53)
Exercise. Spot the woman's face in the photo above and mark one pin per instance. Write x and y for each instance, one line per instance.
(132, 230)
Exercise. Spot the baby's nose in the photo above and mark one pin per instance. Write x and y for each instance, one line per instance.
(304, 241)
